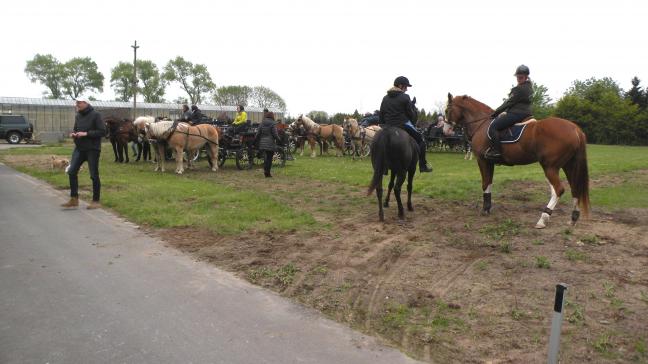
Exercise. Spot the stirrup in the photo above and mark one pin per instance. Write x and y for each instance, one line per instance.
(493, 154)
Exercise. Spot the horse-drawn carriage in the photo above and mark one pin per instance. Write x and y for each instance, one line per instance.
(436, 140)
(241, 146)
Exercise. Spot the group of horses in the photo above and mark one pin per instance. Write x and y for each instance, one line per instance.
(307, 130)
(553, 142)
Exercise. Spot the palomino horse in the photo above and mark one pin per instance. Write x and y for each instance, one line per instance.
(553, 142)
(393, 149)
(183, 138)
(324, 132)
(361, 137)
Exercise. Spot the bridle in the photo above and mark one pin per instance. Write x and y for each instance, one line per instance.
(466, 122)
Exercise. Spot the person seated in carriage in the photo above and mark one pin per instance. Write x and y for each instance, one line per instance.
(240, 123)
(514, 110)
(370, 119)
(186, 114)
(196, 115)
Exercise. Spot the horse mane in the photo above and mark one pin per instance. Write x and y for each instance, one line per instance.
(147, 119)
(158, 129)
(308, 122)
(476, 103)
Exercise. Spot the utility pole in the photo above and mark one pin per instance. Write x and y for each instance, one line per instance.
(135, 46)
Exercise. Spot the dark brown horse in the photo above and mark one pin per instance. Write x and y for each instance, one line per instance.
(553, 142)
(120, 133)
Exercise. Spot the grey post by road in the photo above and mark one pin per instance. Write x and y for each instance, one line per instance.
(556, 323)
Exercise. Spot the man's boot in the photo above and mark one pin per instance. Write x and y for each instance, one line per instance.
(94, 205)
(72, 204)
(494, 152)
(423, 166)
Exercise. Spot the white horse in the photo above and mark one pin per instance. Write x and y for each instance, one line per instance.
(361, 137)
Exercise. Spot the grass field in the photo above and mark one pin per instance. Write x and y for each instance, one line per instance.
(445, 285)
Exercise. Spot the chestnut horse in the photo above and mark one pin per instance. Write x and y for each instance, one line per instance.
(183, 138)
(361, 137)
(553, 142)
(324, 132)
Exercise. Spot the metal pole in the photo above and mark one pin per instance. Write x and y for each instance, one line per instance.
(556, 323)
(135, 46)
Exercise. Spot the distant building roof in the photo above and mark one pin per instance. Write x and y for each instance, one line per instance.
(115, 104)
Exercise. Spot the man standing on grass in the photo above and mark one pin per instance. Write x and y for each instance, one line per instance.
(88, 131)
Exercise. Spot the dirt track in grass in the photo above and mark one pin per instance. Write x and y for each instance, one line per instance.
(446, 284)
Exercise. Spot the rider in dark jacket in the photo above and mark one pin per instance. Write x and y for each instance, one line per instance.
(398, 110)
(196, 115)
(517, 108)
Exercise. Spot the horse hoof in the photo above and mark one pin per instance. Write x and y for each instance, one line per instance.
(385, 204)
(410, 208)
(485, 212)
(540, 226)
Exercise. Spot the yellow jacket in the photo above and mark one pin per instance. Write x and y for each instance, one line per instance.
(241, 118)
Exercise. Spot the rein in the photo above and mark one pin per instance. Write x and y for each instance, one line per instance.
(466, 122)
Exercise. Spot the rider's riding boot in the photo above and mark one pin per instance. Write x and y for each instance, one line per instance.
(423, 166)
(495, 150)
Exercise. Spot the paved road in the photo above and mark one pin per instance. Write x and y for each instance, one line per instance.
(84, 286)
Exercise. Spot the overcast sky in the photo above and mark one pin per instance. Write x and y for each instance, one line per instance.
(338, 56)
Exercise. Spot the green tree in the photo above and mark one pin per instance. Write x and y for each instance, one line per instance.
(193, 79)
(80, 75)
(121, 80)
(150, 83)
(338, 118)
(598, 107)
(263, 97)
(541, 102)
(636, 95)
(153, 85)
(356, 115)
(232, 95)
(320, 117)
(47, 70)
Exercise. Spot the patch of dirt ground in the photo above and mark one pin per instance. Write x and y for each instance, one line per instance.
(447, 284)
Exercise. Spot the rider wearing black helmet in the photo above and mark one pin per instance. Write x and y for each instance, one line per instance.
(517, 107)
(398, 110)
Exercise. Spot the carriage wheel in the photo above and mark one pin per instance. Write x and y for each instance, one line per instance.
(222, 155)
(292, 146)
(279, 158)
(366, 150)
(348, 149)
(242, 158)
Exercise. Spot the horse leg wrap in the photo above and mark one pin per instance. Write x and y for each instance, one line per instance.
(575, 216)
(547, 210)
(487, 202)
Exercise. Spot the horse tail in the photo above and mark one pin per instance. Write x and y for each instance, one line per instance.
(580, 184)
(378, 160)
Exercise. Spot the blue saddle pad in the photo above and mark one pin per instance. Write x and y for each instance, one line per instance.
(512, 134)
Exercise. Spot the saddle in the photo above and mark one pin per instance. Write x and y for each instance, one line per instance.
(514, 133)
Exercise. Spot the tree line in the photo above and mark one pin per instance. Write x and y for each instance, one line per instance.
(80, 75)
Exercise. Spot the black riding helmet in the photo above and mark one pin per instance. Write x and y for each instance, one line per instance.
(522, 70)
(402, 80)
